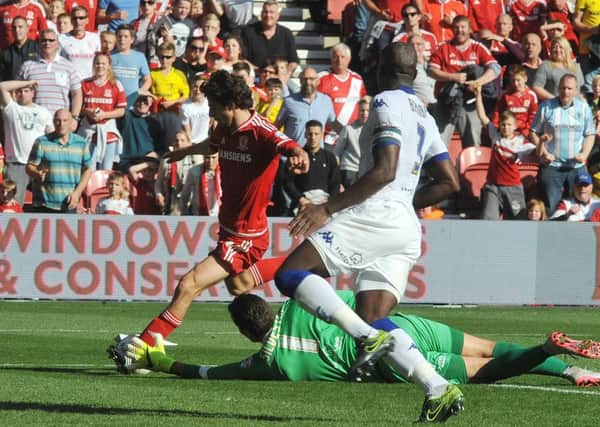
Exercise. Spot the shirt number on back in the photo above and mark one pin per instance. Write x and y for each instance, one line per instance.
(419, 160)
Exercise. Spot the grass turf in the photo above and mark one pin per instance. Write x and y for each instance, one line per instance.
(53, 371)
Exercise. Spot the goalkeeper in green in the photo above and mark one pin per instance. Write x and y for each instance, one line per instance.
(297, 346)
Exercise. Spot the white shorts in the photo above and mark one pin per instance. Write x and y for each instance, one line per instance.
(379, 241)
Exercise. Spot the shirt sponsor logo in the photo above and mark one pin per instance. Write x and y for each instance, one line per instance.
(235, 156)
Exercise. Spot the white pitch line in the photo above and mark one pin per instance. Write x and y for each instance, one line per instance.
(542, 388)
(56, 365)
(96, 331)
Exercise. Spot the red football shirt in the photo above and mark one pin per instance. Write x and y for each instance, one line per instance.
(248, 158)
(344, 94)
(483, 14)
(32, 12)
(106, 97)
(527, 18)
(523, 106)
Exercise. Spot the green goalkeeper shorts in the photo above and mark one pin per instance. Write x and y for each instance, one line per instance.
(440, 344)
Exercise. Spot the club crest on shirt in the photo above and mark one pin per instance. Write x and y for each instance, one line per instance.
(243, 143)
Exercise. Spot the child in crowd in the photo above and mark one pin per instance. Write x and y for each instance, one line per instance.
(55, 8)
(169, 84)
(171, 177)
(143, 178)
(194, 115)
(271, 107)
(519, 99)
(118, 201)
(8, 203)
(108, 41)
(503, 191)
(201, 192)
(536, 210)
(63, 23)
(211, 27)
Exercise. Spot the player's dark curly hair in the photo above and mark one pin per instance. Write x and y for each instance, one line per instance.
(226, 89)
(252, 315)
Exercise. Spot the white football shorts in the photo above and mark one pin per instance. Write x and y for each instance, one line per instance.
(379, 241)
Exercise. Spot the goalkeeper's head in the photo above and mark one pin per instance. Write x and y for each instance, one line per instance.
(252, 315)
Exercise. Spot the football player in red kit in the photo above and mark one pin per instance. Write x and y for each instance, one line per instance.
(249, 148)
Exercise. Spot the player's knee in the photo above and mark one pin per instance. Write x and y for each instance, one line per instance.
(288, 280)
(384, 324)
(187, 285)
(239, 285)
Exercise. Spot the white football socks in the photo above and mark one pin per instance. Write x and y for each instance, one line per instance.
(317, 296)
(410, 363)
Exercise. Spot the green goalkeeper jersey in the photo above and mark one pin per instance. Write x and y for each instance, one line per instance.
(301, 347)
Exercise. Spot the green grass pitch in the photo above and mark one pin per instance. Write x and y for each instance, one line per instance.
(54, 372)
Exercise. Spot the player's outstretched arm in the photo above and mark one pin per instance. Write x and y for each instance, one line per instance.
(203, 148)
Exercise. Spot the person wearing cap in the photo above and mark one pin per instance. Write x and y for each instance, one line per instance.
(563, 130)
(215, 59)
(582, 205)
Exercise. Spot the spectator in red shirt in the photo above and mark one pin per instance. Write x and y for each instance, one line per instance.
(439, 16)
(503, 192)
(484, 14)
(30, 10)
(528, 16)
(448, 66)
(518, 99)
(412, 27)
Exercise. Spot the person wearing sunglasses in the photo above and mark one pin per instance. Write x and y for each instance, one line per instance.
(79, 45)
(59, 82)
(169, 85)
(413, 19)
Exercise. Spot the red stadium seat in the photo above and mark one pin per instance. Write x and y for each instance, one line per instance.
(529, 172)
(473, 165)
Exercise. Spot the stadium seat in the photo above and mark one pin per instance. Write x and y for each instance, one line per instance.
(529, 172)
(473, 164)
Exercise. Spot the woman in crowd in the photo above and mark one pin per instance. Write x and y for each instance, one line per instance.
(561, 62)
(104, 101)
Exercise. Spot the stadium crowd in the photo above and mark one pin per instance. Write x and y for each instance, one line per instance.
(116, 84)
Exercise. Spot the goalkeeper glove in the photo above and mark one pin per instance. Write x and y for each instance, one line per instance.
(153, 358)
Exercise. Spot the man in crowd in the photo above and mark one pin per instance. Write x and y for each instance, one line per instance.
(80, 45)
(308, 104)
(24, 122)
(267, 39)
(23, 49)
(343, 86)
(130, 66)
(59, 83)
(564, 132)
(323, 177)
(454, 65)
(60, 175)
